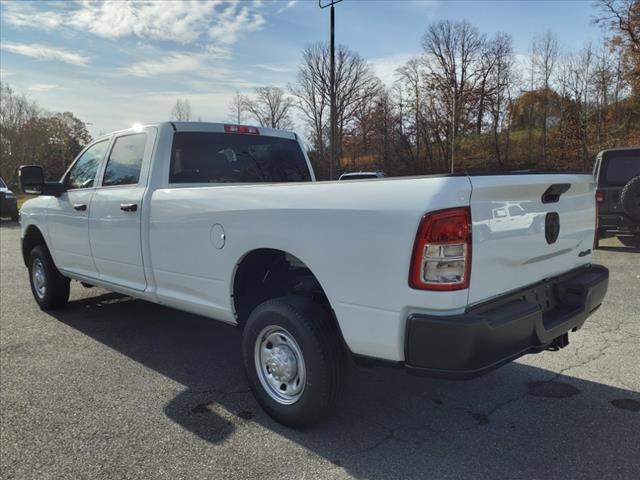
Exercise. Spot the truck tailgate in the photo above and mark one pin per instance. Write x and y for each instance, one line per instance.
(519, 238)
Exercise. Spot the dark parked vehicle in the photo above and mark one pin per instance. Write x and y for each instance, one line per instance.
(617, 173)
(8, 202)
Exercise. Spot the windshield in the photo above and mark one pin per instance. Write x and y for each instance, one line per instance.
(203, 157)
(2, 184)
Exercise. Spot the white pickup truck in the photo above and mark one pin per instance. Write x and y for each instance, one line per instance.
(227, 221)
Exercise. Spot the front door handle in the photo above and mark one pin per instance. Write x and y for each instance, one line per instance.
(129, 207)
(81, 207)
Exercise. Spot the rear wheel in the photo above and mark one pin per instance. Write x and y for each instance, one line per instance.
(49, 287)
(293, 359)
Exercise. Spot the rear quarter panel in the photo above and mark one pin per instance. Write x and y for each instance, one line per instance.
(356, 237)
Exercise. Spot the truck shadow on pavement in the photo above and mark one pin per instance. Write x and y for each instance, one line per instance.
(517, 422)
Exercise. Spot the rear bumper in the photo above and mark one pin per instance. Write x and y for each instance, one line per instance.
(617, 222)
(493, 333)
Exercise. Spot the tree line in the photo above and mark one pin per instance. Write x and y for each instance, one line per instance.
(467, 101)
(32, 135)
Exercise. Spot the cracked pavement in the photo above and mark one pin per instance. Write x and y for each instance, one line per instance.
(118, 388)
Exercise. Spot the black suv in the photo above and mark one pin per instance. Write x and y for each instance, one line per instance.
(8, 204)
(617, 172)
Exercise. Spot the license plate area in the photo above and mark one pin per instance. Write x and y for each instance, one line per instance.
(543, 295)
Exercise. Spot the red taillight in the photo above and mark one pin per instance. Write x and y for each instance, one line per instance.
(599, 196)
(241, 129)
(442, 251)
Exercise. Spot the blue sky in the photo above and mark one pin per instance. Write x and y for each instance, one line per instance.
(117, 63)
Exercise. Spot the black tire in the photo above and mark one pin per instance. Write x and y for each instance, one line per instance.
(630, 198)
(316, 335)
(15, 216)
(630, 240)
(55, 293)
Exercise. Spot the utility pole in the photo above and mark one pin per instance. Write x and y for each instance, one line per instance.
(332, 81)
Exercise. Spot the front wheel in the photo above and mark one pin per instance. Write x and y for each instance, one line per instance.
(49, 287)
(293, 360)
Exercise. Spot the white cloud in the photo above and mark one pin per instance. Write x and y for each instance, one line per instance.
(42, 87)
(173, 63)
(385, 67)
(288, 5)
(190, 68)
(183, 22)
(232, 21)
(277, 68)
(22, 14)
(45, 52)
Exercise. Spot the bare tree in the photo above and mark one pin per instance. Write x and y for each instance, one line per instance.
(467, 99)
(237, 108)
(17, 113)
(410, 77)
(603, 80)
(270, 107)
(29, 134)
(622, 16)
(545, 59)
(579, 86)
(501, 80)
(451, 51)
(622, 20)
(181, 111)
(355, 83)
(16, 110)
(311, 99)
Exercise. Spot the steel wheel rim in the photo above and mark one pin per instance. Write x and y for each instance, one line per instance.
(39, 278)
(280, 365)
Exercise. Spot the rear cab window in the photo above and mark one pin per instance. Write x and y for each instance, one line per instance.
(216, 157)
(617, 168)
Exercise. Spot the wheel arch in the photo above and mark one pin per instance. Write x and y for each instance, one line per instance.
(265, 273)
(31, 239)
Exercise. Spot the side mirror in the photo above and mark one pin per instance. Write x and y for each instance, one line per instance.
(31, 179)
(32, 182)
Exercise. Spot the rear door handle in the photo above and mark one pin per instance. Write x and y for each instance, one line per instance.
(81, 207)
(129, 207)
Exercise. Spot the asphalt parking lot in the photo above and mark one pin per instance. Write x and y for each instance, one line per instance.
(112, 387)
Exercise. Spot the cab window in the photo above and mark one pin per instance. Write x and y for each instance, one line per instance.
(83, 172)
(125, 160)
